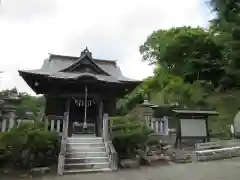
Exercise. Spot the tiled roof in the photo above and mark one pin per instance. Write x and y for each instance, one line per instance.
(55, 63)
(69, 75)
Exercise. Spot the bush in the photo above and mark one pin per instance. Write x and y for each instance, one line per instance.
(3, 151)
(128, 134)
(30, 145)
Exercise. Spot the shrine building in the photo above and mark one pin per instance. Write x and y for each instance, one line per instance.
(84, 86)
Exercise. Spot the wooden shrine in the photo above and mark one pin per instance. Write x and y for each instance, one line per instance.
(84, 86)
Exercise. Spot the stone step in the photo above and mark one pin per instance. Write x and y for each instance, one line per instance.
(80, 145)
(86, 149)
(86, 160)
(85, 140)
(90, 165)
(86, 154)
(86, 170)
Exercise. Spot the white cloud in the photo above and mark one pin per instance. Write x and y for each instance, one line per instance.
(15, 10)
(30, 29)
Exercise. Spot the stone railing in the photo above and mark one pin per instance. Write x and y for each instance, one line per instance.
(215, 154)
(158, 125)
(207, 145)
(217, 150)
(112, 153)
(113, 156)
(61, 157)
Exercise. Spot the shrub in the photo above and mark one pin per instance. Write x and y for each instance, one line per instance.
(3, 151)
(128, 133)
(30, 145)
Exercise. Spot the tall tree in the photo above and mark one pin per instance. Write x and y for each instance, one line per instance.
(227, 26)
(191, 53)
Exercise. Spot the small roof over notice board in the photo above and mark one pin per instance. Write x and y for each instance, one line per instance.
(171, 110)
(196, 112)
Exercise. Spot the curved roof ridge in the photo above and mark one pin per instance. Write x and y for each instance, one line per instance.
(76, 57)
(78, 63)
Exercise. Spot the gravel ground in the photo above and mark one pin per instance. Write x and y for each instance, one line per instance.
(214, 170)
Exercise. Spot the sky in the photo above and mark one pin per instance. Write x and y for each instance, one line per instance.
(111, 29)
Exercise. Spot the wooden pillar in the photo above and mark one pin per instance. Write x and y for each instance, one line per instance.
(100, 119)
(207, 129)
(69, 123)
(179, 134)
(85, 108)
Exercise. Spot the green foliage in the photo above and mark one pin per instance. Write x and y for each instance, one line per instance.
(171, 89)
(3, 151)
(194, 66)
(128, 134)
(227, 26)
(135, 97)
(30, 103)
(227, 104)
(166, 88)
(227, 12)
(29, 145)
(192, 53)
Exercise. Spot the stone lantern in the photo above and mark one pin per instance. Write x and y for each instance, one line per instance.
(144, 111)
(9, 110)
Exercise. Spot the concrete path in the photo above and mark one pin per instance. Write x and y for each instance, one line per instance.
(214, 170)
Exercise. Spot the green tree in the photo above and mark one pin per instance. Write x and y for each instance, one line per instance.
(135, 97)
(165, 88)
(171, 89)
(227, 26)
(30, 103)
(191, 53)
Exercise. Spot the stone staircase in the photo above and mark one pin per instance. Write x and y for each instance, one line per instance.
(86, 154)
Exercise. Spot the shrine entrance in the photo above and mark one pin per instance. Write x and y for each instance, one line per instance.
(83, 116)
